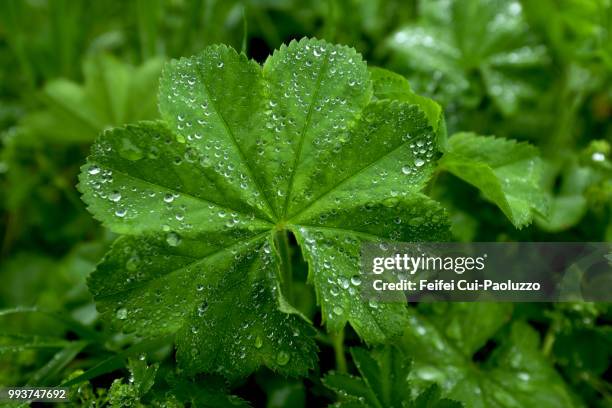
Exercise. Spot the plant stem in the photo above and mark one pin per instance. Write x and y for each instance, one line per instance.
(549, 338)
(282, 240)
(338, 343)
(323, 337)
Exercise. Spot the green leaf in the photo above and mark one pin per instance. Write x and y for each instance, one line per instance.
(431, 398)
(53, 367)
(331, 244)
(209, 392)
(77, 327)
(383, 382)
(113, 93)
(244, 153)
(389, 85)
(15, 343)
(194, 288)
(463, 38)
(444, 342)
(142, 378)
(117, 361)
(576, 29)
(573, 186)
(506, 172)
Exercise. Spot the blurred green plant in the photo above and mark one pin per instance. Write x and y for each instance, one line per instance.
(113, 92)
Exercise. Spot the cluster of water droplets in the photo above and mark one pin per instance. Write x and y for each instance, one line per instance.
(158, 208)
(335, 259)
(315, 92)
(209, 119)
(423, 150)
(261, 330)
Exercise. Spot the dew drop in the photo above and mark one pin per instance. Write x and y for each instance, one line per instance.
(132, 264)
(202, 308)
(129, 150)
(258, 342)
(523, 376)
(93, 170)
(121, 313)
(419, 162)
(282, 358)
(390, 202)
(153, 153)
(114, 196)
(173, 239)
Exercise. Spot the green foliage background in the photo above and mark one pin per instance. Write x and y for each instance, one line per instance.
(532, 71)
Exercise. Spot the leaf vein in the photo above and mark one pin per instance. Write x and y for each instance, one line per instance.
(298, 153)
(191, 264)
(169, 189)
(344, 180)
(236, 145)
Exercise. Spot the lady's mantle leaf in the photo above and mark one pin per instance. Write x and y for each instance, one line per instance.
(466, 37)
(142, 378)
(443, 343)
(383, 382)
(113, 93)
(506, 172)
(301, 144)
(389, 85)
(220, 299)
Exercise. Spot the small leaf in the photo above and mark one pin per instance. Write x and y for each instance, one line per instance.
(445, 339)
(142, 378)
(463, 38)
(383, 382)
(113, 93)
(209, 392)
(350, 388)
(389, 85)
(506, 172)
(431, 398)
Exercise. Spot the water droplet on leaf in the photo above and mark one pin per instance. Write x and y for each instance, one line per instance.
(121, 313)
(282, 358)
(129, 150)
(173, 239)
(258, 342)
